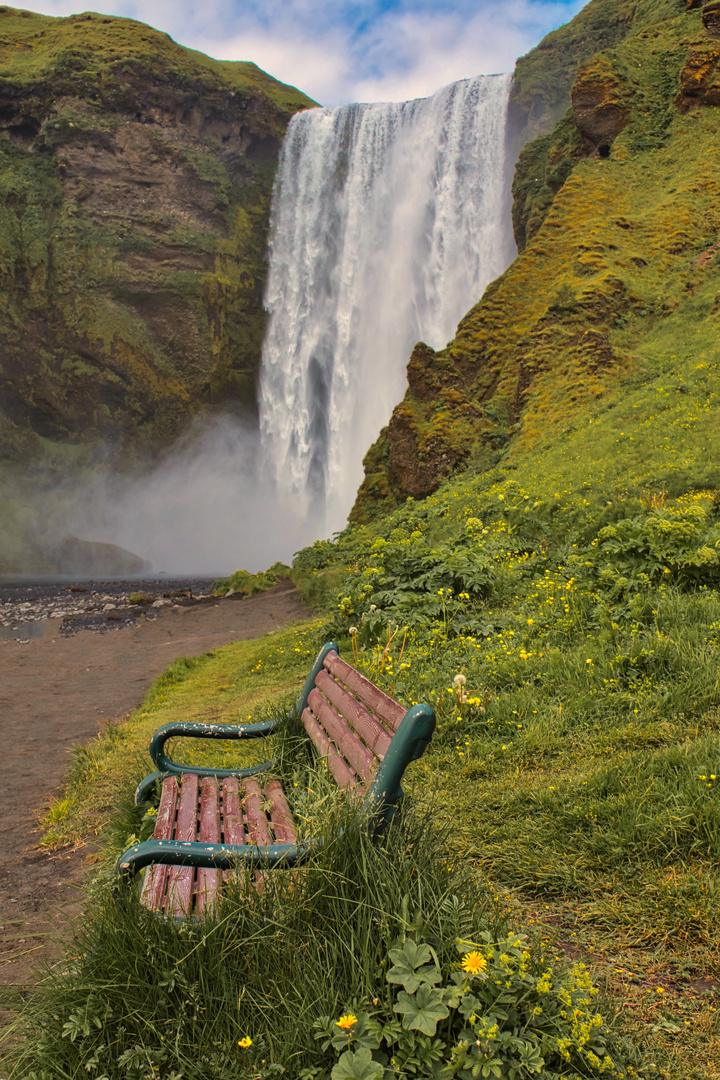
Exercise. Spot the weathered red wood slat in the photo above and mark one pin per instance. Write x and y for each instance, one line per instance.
(153, 890)
(233, 831)
(208, 881)
(280, 816)
(338, 766)
(181, 878)
(380, 703)
(232, 817)
(361, 760)
(258, 828)
(367, 726)
(316, 732)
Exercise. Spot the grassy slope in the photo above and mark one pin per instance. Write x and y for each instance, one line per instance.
(34, 43)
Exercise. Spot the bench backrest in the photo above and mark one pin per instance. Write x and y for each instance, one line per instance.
(367, 738)
(350, 721)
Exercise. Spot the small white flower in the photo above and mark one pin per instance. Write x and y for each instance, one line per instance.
(459, 680)
(352, 630)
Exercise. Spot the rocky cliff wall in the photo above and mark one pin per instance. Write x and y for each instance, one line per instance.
(620, 268)
(135, 184)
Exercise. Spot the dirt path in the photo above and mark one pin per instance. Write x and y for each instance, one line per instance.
(54, 691)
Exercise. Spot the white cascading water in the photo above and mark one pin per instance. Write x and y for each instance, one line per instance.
(388, 223)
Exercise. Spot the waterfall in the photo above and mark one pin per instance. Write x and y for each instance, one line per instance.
(388, 222)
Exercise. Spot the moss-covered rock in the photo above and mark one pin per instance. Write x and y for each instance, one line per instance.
(620, 270)
(135, 184)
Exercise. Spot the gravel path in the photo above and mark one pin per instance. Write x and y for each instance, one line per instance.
(55, 689)
(99, 605)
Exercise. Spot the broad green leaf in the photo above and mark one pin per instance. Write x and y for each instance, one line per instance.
(531, 1058)
(359, 1066)
(411, 967)
(422, 1011)
(365, 1032)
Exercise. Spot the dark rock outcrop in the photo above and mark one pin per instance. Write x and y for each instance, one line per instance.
(599, 110)
(420, 374)
(700, 77)
(711, 18)
(91, 558)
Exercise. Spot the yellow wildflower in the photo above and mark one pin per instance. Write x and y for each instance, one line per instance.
(474, 963)
(346, 1022)
(245, 1042)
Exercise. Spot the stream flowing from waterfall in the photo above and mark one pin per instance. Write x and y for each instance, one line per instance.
(388, 222)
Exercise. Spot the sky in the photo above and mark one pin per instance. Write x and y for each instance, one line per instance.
(339, 51)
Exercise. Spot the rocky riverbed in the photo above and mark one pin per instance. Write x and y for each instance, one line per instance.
(27, 610)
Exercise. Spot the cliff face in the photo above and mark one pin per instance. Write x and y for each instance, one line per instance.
(135, 184)
(619, 275)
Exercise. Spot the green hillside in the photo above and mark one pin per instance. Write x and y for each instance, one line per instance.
(536, 547)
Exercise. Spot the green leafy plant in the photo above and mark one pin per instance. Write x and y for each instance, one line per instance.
(494, 1014)
(680, 545)
(248, 584)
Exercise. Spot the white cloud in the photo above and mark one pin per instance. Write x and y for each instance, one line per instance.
(337, 52)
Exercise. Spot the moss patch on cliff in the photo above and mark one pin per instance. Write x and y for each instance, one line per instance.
(584, 63)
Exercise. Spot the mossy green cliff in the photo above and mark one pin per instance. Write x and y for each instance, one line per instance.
(135, 184)
(617, 290)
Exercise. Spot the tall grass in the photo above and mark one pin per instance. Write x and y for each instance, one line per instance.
(139, 995)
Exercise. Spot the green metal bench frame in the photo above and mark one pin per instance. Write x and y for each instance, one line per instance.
(407, 744)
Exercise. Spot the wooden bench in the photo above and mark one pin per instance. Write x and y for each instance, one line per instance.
(212, 821)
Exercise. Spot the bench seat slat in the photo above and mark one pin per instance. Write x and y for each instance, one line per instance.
(381, 703)
(368, 728)
(281, 817)
(340, 769)
(232, 820)
(233, 831)
(258, 828)
(181, 878)
(361, 760)
(153, 890)
(207, 880)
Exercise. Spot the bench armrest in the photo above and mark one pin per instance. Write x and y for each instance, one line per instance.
(213, 856)
(164, 764)
(408, 744)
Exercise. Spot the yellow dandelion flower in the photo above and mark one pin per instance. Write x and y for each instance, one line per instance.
(245, 1042)
(346, 1022)
(474, 963)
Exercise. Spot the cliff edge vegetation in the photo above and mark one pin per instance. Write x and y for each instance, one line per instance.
(604, 330)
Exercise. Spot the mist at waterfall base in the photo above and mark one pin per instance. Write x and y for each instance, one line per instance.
(205, 509)
(388, 223)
